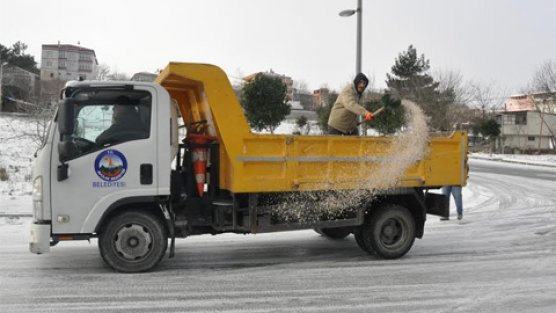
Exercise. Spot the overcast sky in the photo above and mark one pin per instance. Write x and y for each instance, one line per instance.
(501, 42)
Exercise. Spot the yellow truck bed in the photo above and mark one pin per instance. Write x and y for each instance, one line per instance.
(274, 163)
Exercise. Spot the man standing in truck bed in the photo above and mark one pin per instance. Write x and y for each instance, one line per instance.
(343, 116)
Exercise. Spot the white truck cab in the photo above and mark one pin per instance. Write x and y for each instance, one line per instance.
(109, 145)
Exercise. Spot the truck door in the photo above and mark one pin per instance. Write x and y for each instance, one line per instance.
(112, 159)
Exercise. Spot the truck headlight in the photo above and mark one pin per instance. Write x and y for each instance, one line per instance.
(38, 211)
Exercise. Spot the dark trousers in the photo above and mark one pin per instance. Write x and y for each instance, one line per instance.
(334, 131)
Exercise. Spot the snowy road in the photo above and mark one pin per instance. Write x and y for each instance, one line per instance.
(499, 258)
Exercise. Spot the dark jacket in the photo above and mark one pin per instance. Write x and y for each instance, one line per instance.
(124, 128)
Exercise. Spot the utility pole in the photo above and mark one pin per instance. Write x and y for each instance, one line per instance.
(1, 78)
(359, 47)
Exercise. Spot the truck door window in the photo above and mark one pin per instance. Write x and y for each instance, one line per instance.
(91, 121)
(107, 118)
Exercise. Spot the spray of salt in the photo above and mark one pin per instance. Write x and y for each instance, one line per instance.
(404, 150)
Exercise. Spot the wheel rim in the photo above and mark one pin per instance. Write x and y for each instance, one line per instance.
(392, 232)
(133, 242)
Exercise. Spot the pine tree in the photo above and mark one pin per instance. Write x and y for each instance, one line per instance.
(264, 101)
(411, 80)
(323, 112)
(390, 120)
(490, 129)
(16, 56)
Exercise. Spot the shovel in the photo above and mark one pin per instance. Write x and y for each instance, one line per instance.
(391, 100)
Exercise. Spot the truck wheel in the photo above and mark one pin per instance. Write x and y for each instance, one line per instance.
(390, 232)
(133, 241)
(334, 233)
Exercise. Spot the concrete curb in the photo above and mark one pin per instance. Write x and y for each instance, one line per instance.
(512, 161)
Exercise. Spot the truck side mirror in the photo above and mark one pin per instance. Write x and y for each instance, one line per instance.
(66, 118)
(66, 147)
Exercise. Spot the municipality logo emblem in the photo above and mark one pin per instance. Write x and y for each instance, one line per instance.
(110, 165)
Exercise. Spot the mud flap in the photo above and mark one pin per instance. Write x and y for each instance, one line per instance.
(170, 222)
(437, 204)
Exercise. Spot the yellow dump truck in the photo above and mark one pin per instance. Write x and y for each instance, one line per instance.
(137, 184)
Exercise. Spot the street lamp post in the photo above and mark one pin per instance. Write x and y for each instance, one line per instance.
(359, 11)
(347, 13)
(1, 78)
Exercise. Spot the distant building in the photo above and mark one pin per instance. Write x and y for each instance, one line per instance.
(524, 131)
(320, 97)
(144, 77)
(543, 101)
(286, 79)
(305, 99)
(68, 62)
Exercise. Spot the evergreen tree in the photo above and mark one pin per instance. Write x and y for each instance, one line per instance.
(303, 126)
(411, 80)
(490, 129)
(388, 121)
(324, 111)
(3, 53)
(16, 56)
(301, 121)
(264, 101)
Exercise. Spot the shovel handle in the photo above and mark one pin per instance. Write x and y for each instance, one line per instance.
(375, 113)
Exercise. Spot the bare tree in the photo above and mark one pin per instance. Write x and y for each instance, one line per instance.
(103, 71)
(118, 76)
(42, 115)
(300, 86)
(544, 79)
(450, 79)
(39, 115)
(488, 98)
(44, 108)
(451, 83)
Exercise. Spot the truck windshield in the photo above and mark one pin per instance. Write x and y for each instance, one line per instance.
(108, 117)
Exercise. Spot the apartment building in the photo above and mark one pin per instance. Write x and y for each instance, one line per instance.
(285, 79)
(320, 97)
(67, 62)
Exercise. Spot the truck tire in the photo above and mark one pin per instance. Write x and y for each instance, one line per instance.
(389, 233)
(334, 233)
(133, 241)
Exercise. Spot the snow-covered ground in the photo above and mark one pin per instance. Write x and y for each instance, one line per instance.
(18, 144)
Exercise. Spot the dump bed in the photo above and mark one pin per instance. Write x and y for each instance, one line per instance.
(252, 162)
